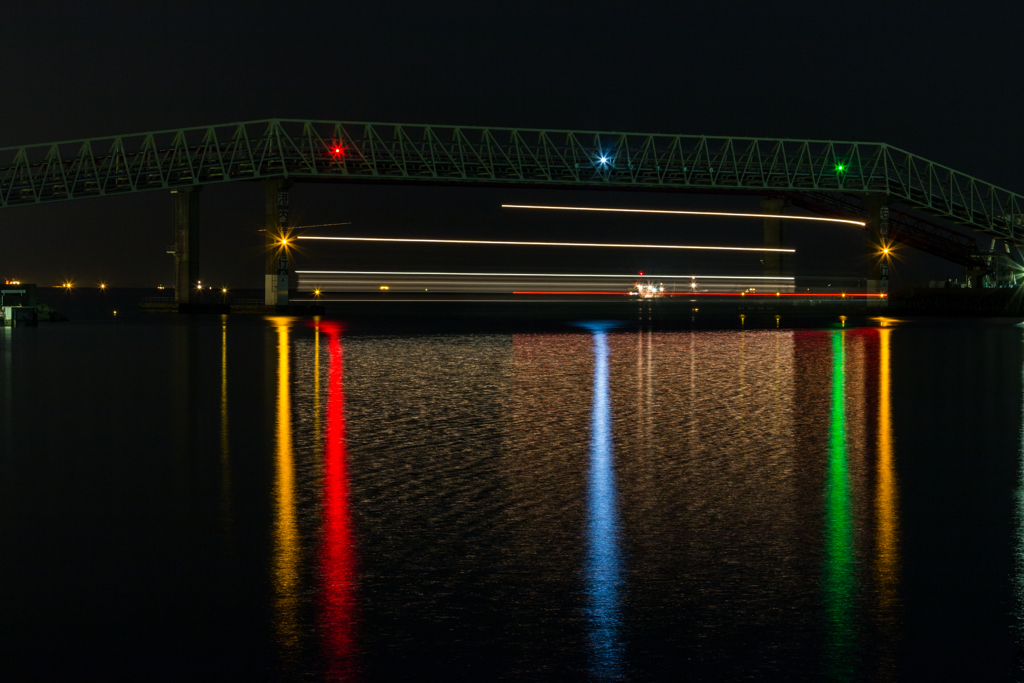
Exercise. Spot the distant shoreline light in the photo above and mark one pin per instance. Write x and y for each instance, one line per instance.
(690, 213)
(545, 244)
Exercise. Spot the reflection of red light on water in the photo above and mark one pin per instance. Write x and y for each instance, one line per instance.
(337, 557)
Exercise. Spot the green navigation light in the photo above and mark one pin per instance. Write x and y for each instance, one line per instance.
(840, 168)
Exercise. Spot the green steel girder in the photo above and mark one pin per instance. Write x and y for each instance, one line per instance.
(413, 153)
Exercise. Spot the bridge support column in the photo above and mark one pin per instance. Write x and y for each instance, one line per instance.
(879, 241)
(276, 226)
(186, 244)
(774, 236)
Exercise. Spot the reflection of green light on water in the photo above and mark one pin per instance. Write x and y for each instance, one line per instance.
(839, 558)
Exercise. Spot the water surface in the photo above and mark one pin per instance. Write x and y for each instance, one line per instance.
(281, 499)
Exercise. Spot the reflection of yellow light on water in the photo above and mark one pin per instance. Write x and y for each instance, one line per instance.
(886, 499)
(318, 445)
(225, 461)
(286, 535)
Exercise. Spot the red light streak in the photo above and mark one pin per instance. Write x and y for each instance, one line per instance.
(337, 557)
(775, 295)
(742, 294)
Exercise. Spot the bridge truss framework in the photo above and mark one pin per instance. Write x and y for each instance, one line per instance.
(825, 177)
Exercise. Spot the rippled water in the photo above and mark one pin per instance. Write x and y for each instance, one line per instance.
(279, 499)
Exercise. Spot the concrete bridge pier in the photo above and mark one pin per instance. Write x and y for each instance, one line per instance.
(879, 240)
(186, 244)
(774, 236)
(275, 191)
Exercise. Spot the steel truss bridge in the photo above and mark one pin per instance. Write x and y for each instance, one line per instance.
(824, 177)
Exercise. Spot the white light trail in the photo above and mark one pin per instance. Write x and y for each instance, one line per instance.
(321, 225)
(546, 244)
(690, 213)
(630, 275)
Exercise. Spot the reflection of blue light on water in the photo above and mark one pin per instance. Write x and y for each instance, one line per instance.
(602, 571)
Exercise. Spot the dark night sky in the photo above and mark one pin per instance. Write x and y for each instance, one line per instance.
(939, 79)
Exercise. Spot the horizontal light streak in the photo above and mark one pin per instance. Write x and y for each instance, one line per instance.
(376, 301)
(689, 213)
(742, 294)
(544, 244)
(631, 275)
(320, 225)
(772, 294)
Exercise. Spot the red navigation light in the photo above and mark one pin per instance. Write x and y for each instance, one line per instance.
(337, 150)
(641, 272)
